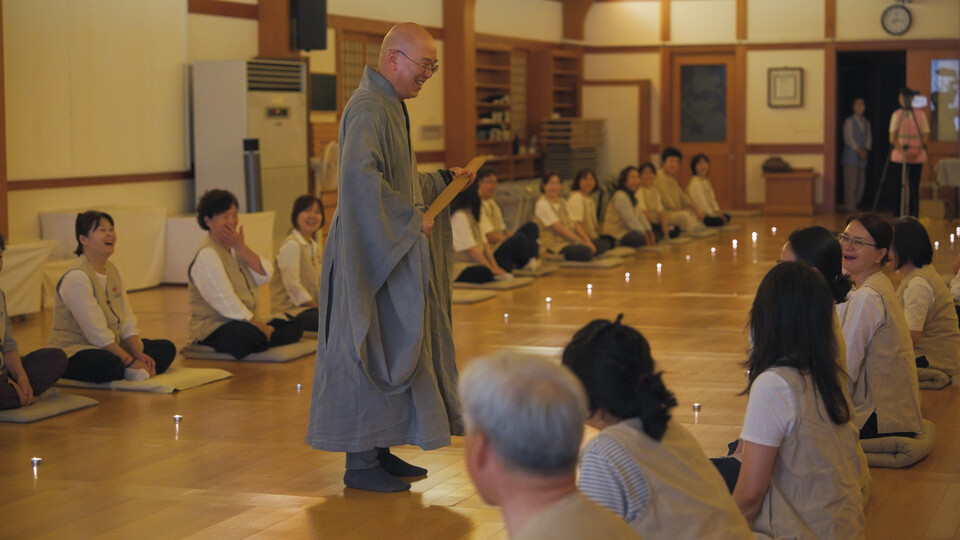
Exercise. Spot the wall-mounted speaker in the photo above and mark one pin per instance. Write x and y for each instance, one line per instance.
(308, 24)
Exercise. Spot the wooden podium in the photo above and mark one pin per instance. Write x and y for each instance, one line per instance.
(791, 193)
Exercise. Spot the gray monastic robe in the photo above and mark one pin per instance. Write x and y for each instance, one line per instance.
(385, 373)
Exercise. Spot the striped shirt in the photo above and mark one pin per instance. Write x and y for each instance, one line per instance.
(612, 478)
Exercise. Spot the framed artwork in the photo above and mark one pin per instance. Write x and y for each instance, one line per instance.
(785, 87)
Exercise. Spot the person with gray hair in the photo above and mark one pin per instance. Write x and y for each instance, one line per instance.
(524, 424)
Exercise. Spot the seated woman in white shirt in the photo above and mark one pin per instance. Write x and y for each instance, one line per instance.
(295, 286)
(880, 360)
(623, 220)
(519, 249)
(92, 319)
(701, 193)
(582, 209)
(927, 302)
(557, 233)
(23, 379)
(644, 466)
(473, 260)
(223, 280)
(801, 470)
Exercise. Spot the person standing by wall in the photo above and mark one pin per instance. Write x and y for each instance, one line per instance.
(857, 142)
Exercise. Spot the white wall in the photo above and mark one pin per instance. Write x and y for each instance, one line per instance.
(703, 21)
(618, 106)
(531, 19)
(424, 12)
(785, 20)
(207, 33)
(94, 88)
(644, 66)
(778, 125)
(25, 206)
(932, 19)
(623, 23)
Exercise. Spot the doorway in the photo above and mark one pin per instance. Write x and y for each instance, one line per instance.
(877, 77)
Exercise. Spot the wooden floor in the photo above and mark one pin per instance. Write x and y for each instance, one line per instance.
(239, 467)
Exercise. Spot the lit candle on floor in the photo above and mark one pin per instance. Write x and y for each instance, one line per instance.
(549, 299)
(589, 289)
(952, 238)
(958, 231)
(298, 387)
(626, 277)
(35, 463)
(936, 245)
(688, 258)
(734, 243)
(506, 317)
(754, 236)
(713, 251)
(696, 407)
(659, 269)
(773, 231)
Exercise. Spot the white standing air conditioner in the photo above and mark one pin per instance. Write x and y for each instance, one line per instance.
(238, 100)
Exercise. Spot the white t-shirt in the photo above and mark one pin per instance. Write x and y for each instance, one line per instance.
(210, 278)
(546, 212)
(918, 298)
(862, 315)
(771, 410)
(462, 237)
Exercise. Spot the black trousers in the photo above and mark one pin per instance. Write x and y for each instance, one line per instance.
(309, 319)
(634, 239)
(729, 468)
(869, 430)
(658, 231)
(241, 338)
(715, 221)
(522, 246)
(99, 366)
(576, 252)
(913, 185)
(43, 368)
(475, 274)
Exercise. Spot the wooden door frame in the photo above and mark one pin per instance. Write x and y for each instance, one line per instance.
(738, 116)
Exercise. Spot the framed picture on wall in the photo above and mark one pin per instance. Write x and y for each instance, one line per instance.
(785, 87)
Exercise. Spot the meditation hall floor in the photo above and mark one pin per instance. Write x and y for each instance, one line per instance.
(238, 468)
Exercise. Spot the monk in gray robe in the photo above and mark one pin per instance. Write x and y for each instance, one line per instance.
(385, 373)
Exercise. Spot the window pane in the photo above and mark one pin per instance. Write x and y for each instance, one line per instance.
(703, 103)
(944, 100)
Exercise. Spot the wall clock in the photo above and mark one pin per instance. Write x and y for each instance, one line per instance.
(896, 20)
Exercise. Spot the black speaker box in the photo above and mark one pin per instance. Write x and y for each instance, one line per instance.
(308, 24)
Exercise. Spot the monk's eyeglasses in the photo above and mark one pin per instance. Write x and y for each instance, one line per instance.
(427, 69)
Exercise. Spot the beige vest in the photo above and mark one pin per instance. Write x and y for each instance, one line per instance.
(490, 210)
(204, 319)
(688, 497)
(550, 241)
(816, 479)
(673, 197)
(66, 333)
(280, 301)
(888, 376)
(613, 223)
(650, 200)
(462, 259)
(590, 225)
(940, 340)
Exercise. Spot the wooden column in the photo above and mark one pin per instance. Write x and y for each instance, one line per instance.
(741, 19)
(664, 20)
(459, 81)
(274, 29)
(829, 176)
(4, 214)
(574, 16)
(830, 19)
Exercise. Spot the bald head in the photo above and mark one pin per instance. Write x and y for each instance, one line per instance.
(406, 49)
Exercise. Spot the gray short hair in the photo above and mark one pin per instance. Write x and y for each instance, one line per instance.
(531, 410)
